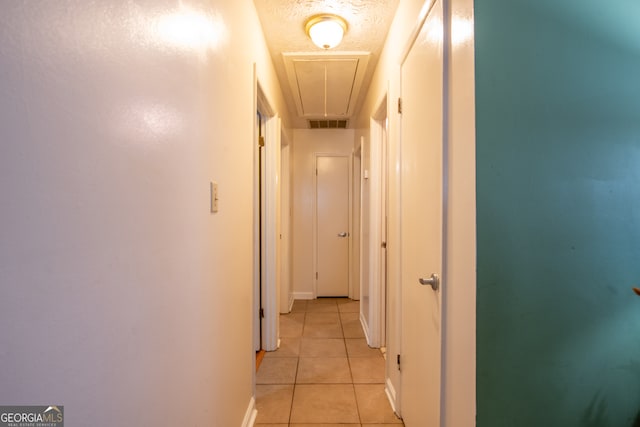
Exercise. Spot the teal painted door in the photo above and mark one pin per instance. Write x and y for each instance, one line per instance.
(558, 213)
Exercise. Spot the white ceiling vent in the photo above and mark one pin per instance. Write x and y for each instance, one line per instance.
(327, 124)
(326, 85)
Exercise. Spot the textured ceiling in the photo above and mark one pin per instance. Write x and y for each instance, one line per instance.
(283, 26)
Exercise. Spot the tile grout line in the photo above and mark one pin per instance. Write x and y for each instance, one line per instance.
(353, 386)
(295, 379)
(293, 392)
(350, 362)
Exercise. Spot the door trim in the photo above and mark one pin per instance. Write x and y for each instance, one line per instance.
(285, 294)
(272, 233)
(271, 259)
(349, 158)
(376, 328)
(422, 17)
(356, 226)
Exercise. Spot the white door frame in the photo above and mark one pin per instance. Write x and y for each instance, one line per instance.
(271, 258)
(364, 234)
(356, 225)
(349, 158)
(285, 292)
(257, 344)
(377, 284)
(272, 234)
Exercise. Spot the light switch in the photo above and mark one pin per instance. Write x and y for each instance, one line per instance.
(214, 197)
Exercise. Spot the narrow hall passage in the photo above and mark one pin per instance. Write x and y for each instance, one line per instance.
(324, 373)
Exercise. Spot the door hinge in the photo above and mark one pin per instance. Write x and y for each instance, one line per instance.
(398, 361)
(261, 141)
(399, 105)
(316, 275)
(384, 245)
(262, 312)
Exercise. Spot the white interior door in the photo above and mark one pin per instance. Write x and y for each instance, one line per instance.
(422, 213)
(332, 226)
(384, 208)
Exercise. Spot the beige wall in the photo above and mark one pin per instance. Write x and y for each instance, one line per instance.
(306, 143)
(459, 370)
(118, 285)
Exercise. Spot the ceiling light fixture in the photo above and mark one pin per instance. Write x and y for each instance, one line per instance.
(326, 30)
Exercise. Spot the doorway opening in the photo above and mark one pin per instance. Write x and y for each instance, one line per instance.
(374, 310)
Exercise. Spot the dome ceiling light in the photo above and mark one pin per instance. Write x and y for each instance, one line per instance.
(326, 30)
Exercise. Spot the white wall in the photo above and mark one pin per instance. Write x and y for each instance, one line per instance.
(306, 143)
(118, 285)
(459, 347)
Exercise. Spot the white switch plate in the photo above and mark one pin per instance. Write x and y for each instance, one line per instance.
(214, 197)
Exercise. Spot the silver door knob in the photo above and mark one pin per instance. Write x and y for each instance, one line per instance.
(343, 234)
(433, 281)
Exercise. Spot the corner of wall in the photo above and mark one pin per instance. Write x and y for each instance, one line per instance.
(251, 414)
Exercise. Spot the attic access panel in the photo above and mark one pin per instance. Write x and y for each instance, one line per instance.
(326, 85)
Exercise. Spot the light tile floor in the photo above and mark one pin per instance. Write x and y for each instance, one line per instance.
(324, 374)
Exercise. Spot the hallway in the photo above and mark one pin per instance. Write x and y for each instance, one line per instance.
(323, 374)
(132, 221)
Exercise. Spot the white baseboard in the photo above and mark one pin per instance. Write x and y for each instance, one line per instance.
(303, 295)
(251, 414)
(390, 391)
(289, 306)
(365, 328)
